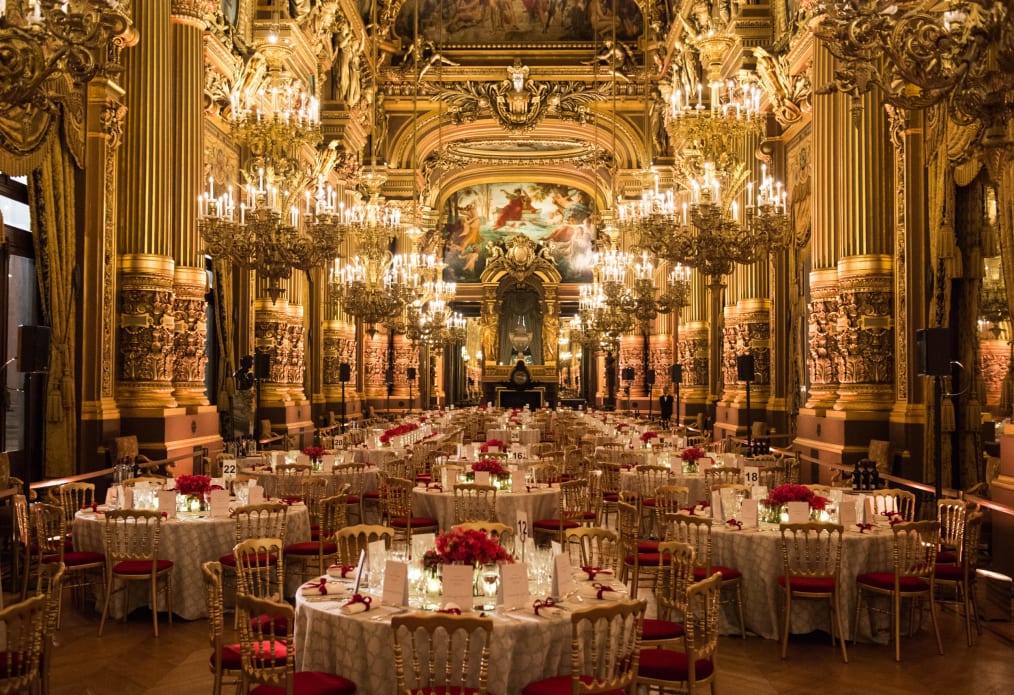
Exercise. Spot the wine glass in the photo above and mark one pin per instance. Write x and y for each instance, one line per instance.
(490, 578)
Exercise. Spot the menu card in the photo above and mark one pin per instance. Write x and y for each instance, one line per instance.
(395, 591)
(482, 477)
(563, 577)
(255, 494)
(847, 516)
(303, 459)
(870, 508)
(113, 496)
(716, 505)
(513, 590)
(167, 503)
(799, 512)
(277, 457)
(219, 504)
(327, 462)
(458, 584)
(127, 497)
(748, 513)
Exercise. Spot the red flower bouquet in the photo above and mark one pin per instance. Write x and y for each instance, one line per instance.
(398, 431)
(648, 436)
(196, 485)
(491, 466)
(316, 453)
(692, 453)
(498, 443)
(622, 426)
(783, 494)
(459, 547)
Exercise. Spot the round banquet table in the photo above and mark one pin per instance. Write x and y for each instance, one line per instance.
(693, 481)
(269, 481)
(377, 456)
(539, 503)
(758, 555)
(529, 435)
(189, 541)
(524, 647)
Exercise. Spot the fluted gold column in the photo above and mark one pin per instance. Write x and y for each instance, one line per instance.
(189, 279)
(146, 266)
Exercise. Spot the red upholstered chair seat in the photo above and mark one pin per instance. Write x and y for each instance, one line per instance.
(669, 665)
(232, 654)
(310, 548)
(352, 499)
(811, 585)
(950, 573)
(700, 573)
(558, 685)
(645, 559)
(661, 629)
(140, 566)
(424, 478)
(417, 522)
(444, 690)
(74, 559)
(611, 497)
(947, 557)
(885, 581)
(312, 683)
(555, 524)
(260, 623)
(262, 558)
(648, 502)
(372, 495)
(647, 546)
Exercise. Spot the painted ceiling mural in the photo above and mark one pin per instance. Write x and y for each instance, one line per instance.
(557, 216)
(449, 22)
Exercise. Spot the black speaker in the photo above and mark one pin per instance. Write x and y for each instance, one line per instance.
(933, 351)
(262, 366)
(389, 375)
(744, 367)
(344, 372)
(627, 373)
(676, 374)
(649, 377)
(410, 373)
(33, 348)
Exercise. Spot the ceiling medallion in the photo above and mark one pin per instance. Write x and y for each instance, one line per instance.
(521, 152)
(520, 256)
(518, 103)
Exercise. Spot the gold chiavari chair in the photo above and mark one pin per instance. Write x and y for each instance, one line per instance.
(959, 578)
(952, 514)
(434, 653)
(353, 475)
(637, 557)
(50, 547)
(575, 511)
(669, 499)
(75, 496)
(351, 540)
(591, 546)
(398, 502)
(718, 476)
(671, 583)
(50, 585)
(24, 625)
(474, 502)
(900, 502)
(225, 658)
(260, 568)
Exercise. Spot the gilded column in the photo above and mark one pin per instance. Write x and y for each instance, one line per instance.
(189, 277)
(146, 321)
(271, 338)
(692, 346)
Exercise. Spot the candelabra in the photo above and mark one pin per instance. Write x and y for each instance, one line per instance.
(920, 53)
(286, 216)
(43, 39)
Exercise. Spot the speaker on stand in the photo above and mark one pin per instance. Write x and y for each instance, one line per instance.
(676, 377)
(744, 372)
(344, 376)
(33, 360)
(649, 383)
(933, 358)
(410, 376)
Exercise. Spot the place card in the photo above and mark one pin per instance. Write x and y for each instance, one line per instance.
(748, 513)
(395, 591)
(219, 502)
(869, 508)
(847, 516)
(277, 457)
(360, 566)
(458, 581)
(759, 492)
(327, 462)
(513, 590)
(751, 475)
(229, 468)
(167, 503)
(255, 495)
(716, 505)
(112, 496)
(126, 497)
(563, 576)
(799, 512)
(482, 477)
(303, 459)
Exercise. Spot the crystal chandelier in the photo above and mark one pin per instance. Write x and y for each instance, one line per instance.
(43, 39)
(430, 320)
(920, 53)
(285, 216)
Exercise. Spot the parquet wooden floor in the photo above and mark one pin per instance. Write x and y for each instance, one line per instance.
(128, 659)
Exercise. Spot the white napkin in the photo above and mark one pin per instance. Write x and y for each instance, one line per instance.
(550, 611)
(589, 590)
(353, 608)
(333, 588)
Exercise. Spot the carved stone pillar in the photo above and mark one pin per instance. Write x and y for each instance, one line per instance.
(732, 345)
(295, 363)
(994, 359)
(865, 334)
(190, 337)
(755, 336)
(693, 355)
(823, 362)
(338, 345)
(271, 337)
(146, 328)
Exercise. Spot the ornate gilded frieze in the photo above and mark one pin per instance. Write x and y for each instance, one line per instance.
(865, 334)
(693, 354)
(823, 362)
(146, 325)
(294, 365)
(994, 361)
(790, 95)
(190, 335)
(271, 337)
(375, 364)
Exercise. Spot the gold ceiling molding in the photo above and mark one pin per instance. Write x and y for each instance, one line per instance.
(790, 95)
(586, 180)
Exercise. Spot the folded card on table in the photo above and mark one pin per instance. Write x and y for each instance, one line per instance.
(395, 591)
(748, 513)
(513, 589)
(255, 495)
(167, 503)
(458, 583)
(563, 576)
(799, 512)
(219, 504)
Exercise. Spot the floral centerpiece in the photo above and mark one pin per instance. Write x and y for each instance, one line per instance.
(491, 466)
(316, 453)
(622, 426)
(646, 437)
(465, 547)
(691, 455)
(490, 443)
(783, 494)
(194, 489)
(398, 431)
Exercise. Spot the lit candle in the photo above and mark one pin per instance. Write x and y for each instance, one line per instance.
(242, 213)
(211, 186)
(735, 211)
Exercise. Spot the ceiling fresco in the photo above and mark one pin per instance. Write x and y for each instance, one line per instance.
(559, 217)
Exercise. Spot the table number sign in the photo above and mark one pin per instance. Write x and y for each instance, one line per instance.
(751, 475)
(563, 576)
(167, 503)
(395, 591)
(458, 581)
(513, 590)
(522, 530)
(229, 469)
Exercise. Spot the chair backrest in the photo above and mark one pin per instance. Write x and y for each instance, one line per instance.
(669, 499)
(352, 539)
(24, 624)
(265, 520)
(611, 478)
(211, 573)
(397, 497)
(650, 478)
(811, 549)
(769, 476)
(132, 535)
(498, 531)
(543, 473)
(820, 490)
(674, 578)
(438, 470)
(74, 496)
(574, 500)
(628, 526)
(332, 515)
(952, 513)
(970, 543)
(353, 475)
(901, 502)
(263, 622)
(695, 531)
(701, 621)
(474, 502)
(50, 584)
(312, 489)
(50, 530)
(915, 548)
(604, 647)
(593, 547)
(398, 467)
(437, 650)
(22, 521)
(259, 567)
(717, 476)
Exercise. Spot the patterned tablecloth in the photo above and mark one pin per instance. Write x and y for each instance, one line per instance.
(524, 648)
(542, 503)
(375, 457)
(529, 435)
(269, 481)
(758, 555)
(188, 542)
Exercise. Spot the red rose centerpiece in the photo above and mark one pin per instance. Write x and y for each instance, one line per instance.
(646, 437)
(316, 453)
(461, 547)
(398, 431)
(491, 443)
(194, 489)
(783, 494)
(691, 457)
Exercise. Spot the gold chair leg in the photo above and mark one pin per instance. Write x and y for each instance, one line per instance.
(105, 603)
(896, 616)
(836, 612)
(785, 622)
(936, 625)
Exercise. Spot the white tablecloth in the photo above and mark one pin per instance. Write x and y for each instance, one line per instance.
(269, 481)
(188, 543)
(758, 555)
(375, 457)
(528, 435)
(543, 503)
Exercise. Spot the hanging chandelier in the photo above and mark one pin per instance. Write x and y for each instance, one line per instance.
(285, 216)
(920, 53)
